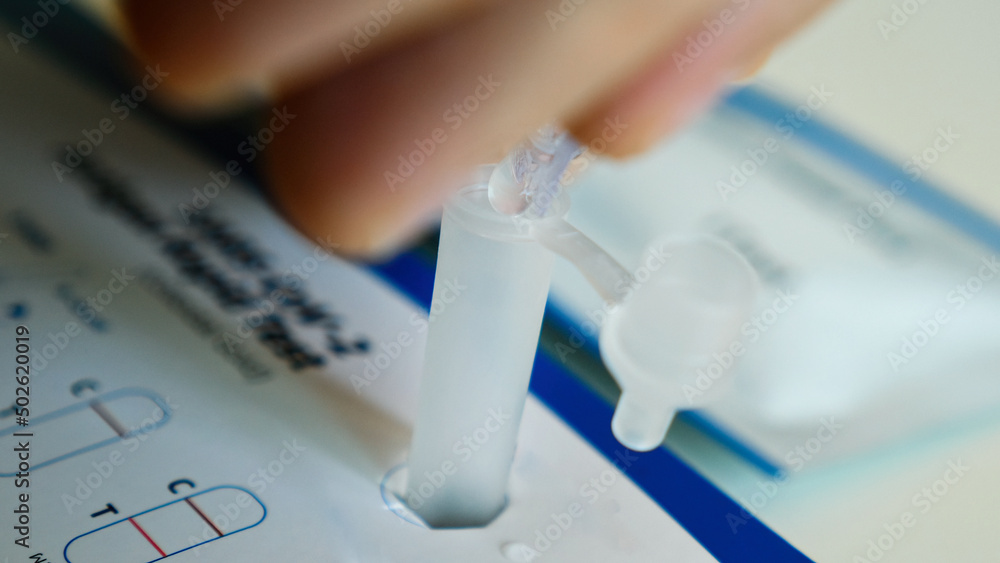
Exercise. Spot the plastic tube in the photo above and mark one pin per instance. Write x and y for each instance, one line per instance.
(492, 280)
(490, 288)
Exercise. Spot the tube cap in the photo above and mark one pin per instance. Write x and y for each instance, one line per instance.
(686, 304)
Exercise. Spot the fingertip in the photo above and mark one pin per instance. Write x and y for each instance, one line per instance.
(327, 175)
(593, 133)
(373, 237)
(748, 71)
(182, 39)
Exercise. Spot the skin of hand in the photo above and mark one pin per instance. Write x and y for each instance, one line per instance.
(395, 101)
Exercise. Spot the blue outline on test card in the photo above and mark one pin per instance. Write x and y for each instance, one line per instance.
(85, 404)
(932, 199)
(136, 515)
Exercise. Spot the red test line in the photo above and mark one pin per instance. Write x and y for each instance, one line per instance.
(109, 418)
(145, 535)
(203, 517)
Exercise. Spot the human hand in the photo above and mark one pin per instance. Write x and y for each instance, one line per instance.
(396, 100)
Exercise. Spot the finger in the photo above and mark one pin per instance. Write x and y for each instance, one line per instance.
(357, 170)
(225, 49)
(750, 70)
(731, 45)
